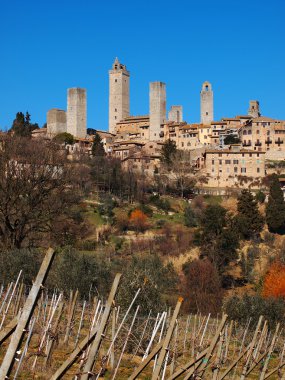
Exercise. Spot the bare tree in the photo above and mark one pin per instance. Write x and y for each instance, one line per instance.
(36, 189)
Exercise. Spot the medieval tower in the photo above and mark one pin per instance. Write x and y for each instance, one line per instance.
(207, 105)
(157, 109)
(119, 94)
(253, 110)
(175, 114)
(76, 112)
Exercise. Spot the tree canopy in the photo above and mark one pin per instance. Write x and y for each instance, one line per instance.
(249, 220)
(22, 125)
(97, 146)
(231, 139)
(168, 151)
(64, 138)
(37, 189)
(275, 208)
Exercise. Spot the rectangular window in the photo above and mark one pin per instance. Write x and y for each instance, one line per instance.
(258, 170)
(220, 162)
(228, 162)
(213, 162)
(243, 170)
(235, 162)
(235, 169)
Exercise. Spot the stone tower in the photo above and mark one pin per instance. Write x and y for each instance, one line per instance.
(207, 104)
(56, 122)
(175, 114)
(119, 94)
(157, 109)
(253, 110)
(76, 112)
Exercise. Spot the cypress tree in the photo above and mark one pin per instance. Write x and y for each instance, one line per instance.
(250, 221)
(97, 147)
(275, 208)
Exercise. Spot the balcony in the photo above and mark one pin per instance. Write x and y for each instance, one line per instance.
(278, 141)
(246, 143)
(257, 143)
(268, 141)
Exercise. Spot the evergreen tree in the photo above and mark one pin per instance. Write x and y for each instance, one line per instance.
(218, 240)
(168, 151)
(22, 125)
(249, 220)
(97, 147)
(275, 208)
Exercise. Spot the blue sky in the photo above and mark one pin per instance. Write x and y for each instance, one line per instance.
(48, 46)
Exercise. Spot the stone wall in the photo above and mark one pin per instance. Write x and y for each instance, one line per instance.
(176, 114)
(76, 112)
(56, 122)
(157, 109)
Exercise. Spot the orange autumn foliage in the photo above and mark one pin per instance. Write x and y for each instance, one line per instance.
(138, 220)
(274, 282)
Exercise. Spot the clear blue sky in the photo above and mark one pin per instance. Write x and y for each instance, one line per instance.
(48, 46)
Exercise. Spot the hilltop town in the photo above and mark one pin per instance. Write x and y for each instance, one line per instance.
(234, 152)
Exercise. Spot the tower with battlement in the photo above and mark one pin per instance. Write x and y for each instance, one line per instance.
(207, 103)
(119, 94)
(76, 118)
(175, 114)
(253, 110)
(157, 109)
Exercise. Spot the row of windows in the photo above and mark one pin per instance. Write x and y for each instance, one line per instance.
(243, 154)
(235, 162)
(242, 170)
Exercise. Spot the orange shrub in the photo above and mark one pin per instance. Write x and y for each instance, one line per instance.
(274, 282)
(138, 220)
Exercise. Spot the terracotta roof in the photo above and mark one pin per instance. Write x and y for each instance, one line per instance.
(130, 142)
(263, 118)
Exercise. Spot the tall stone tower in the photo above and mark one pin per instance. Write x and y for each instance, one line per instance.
(119, 94)
(253, 110)
(56, 122)
(76, 112)
(175, 114)
(207, 103)
(157, 109)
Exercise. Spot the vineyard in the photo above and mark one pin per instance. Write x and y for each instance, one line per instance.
(47, 335)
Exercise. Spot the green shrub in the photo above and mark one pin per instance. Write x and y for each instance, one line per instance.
(242, 308)
(190, 217)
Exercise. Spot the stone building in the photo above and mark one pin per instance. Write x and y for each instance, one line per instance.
(264, 134)
(144, 161)
(56, 122)
(186, 136)
(76, 117)
(119, 94)
(176, 114)
(133, 127)
(207, 103)
(234, 167)
(253, 110)
(157, 109)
